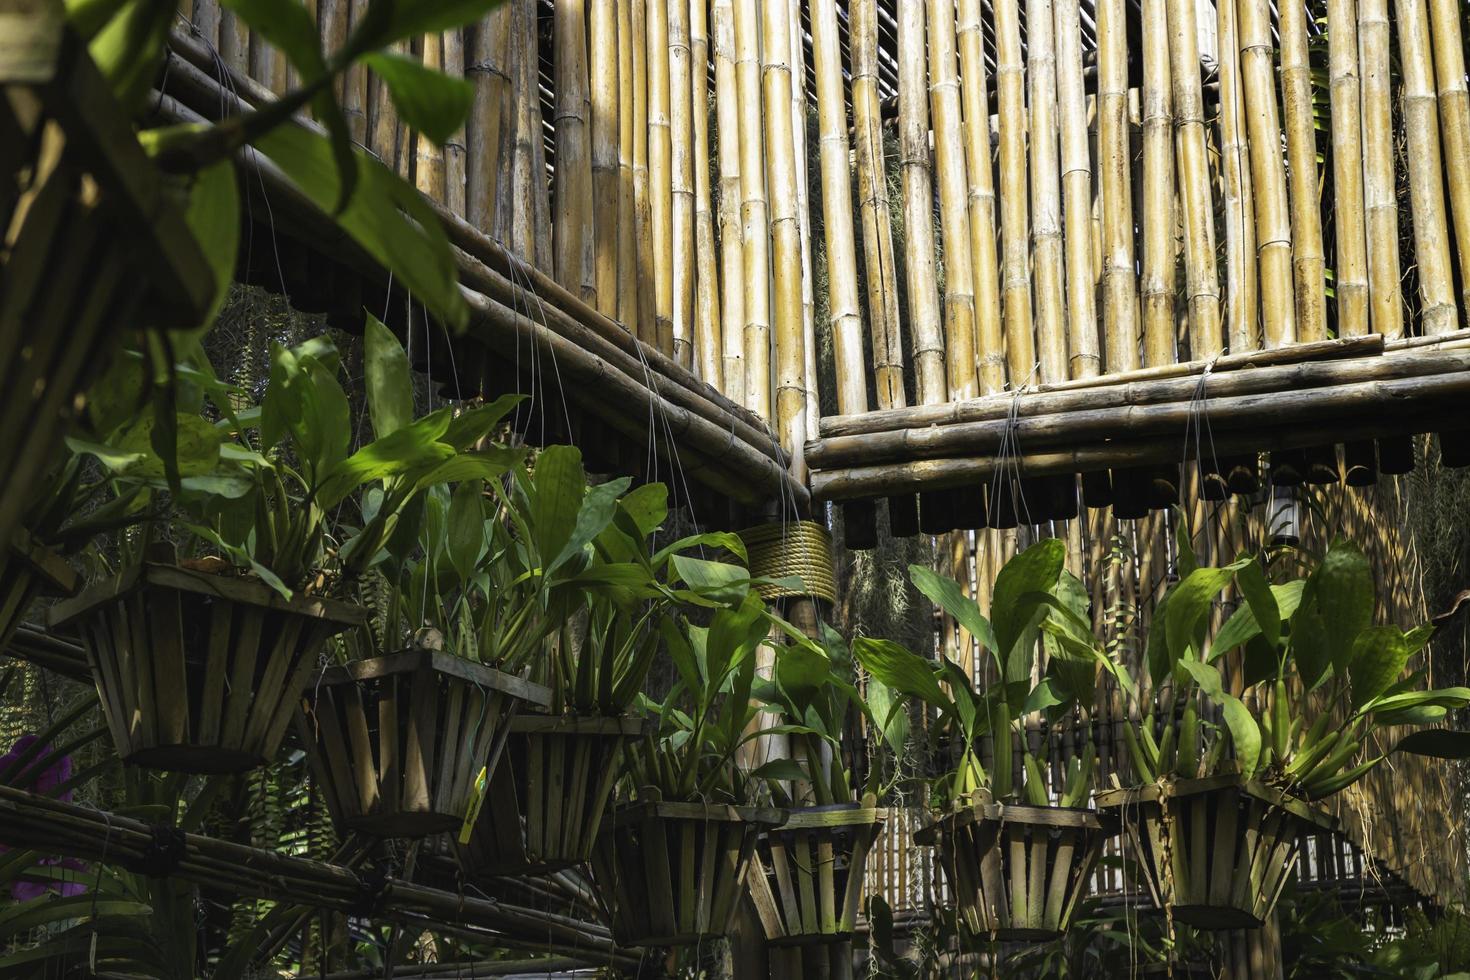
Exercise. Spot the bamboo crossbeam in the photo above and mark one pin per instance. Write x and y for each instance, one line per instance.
(36, 646)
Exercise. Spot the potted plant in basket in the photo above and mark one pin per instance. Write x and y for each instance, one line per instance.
(1017, 861)
(1215, 811)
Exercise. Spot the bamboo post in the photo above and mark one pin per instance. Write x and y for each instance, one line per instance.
(1046, 206)
(804, 214)
(791, 386)
(1156, 279)
(522, 220)
(707, 328)
(878, 259)
(954, 217)
(602, 49)
(1082, 334)
(355, 82)
(990, 345)
(1426, 175)
(1349, 229)
(1309, 266)
(1237, 201)
(488, 72)
(918, 195)
(234, 42)
(332, 19)
(1454, 120)
(1380, 196)
(1196, 207)
(1120, 299)
(681, 138)
(842, 292)
(454, 148)
(753, 210)
(660, 171)
(1015, 262)
(205, 18)
(643, 315)
(629, 256)
(572, 227)
(732, 246)
(429, 156)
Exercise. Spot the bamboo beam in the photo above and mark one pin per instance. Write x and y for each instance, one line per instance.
(845, 320)
(732, 245)
(1046, 205)
(753, 211)
(879, 264)
(1196, 207)
(708, 343)
(1380, 194)
(990, 344)
(681, 137)
(1237, 198)
(1156, 279)
(1120, 297)
(660, 170)
(1082, 330)
(1309, 265)
(603, 95)
(1454, 120)
(1015, 236)
(1349, 226)
(629, 221)
(918, 196)
(643, 315)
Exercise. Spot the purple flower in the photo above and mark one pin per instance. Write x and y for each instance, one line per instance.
(45, 782)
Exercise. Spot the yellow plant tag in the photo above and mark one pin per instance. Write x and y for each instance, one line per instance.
(477, 799)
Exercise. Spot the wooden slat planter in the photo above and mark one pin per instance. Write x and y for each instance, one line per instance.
(545, 801)
(90, 240)
(806, 877)
(671, 874)
(1217, 851)
(398, 740)
(199, 673)
(1017, 872)
(26, 572)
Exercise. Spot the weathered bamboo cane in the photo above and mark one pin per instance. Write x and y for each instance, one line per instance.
(681, 221)
(429, 156)
(263, 60)
(954, 216)
(660, 171)
(918, 197)
(1454, 120)
(1196, 207)
(332, 20)
(1380, 195)
(732, 245)
(803, 212)
(879, 263)
(1237, 202)
(234, 42)
(842, 283)
(791, 386)
(531, 106)
(990, 344)
(1309, 265)
(455, 149)
(572, 228)
(488, 72)
(1046, 204)
(1084, 359)
(1349, 228)
(205, 18)
(643, 317)
(753, 211)
(1120, 298)
(355, 82)
(602, 49)
(1426, 175)
(1014, 223)
(522, 94)
(708, 346)
(628, 221)
(1156, 279)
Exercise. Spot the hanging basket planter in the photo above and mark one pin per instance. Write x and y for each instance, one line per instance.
(28, 571)
(398, 741)
(90, 238)
(1215, 852)
(806, 877)
(671, 874)
(199, 673)
(544, 803)
(1017, 872)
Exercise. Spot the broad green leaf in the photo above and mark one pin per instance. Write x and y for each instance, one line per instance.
(129, 49)
(1311, 645)
(1439, 743)
(1206, 676)
(595, 515)
(1245, 734)
(1047, 694)
(647, 505)
(1257, 591)
(1036, 569)
(413, 446)
(214, 218)
(559, 484)
(947, 595)
(197, 447)
(1378, 658)
(387, 378)
(1187, 614)
(1183, 544)
(428, 101)
(800, 674)
(903, 672)
(1341, 589)
(474, 424)
(711, 579)
(466, 528)
(784, 769)
(1446, 697)
(888, 712)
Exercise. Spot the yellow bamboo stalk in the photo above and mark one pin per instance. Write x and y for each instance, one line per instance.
(681, 221)
(1237, 202)
(491, 80)
(644, 317)
(707, 340)
(234, 41)
(1426, 174)
(1349, 225)
(732, 245)
(989, 336)
(954, 216)
(1120, 298)
(332, 20)
(918, 197)
(429, 156)
(878, 258)
(530, 104)
(523, 98)
(1046, 203)
(753, 211)
(1196, 207)
(1309, 264)
(660, 171)
(845, 320)
(791, 386)
(602, 48)
(628, 221)
(571, 228)
(1015, 233)
(455, 149)
(1380, 197)
(1082, 332)
(1156, 279)
(355, 83)
(1454, 120)
(803, 215)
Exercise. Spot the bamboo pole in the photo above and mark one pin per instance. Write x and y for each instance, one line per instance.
(1237, 201)
(1454, 120)
(602, 48)
(791, 386)
(643, 316)
(355, 82)
(878, 259)
(918, 195)
(681, 138)
(1426, 174)
(845, 320)
(205, 18)
(707, 327)
(753, 211)
(954, 216)
(990, 344)
(732, 246)
(628, 179)
(429, 156)
(1349, 228)
(234, 42)
(1046, 205)
(1120, 299)
(454, 148)
(1082, 333)
(1380, 196)
(1156, 279)
(572, 227)
(660, 171)
(332, 21)
(523, 96)
(1015, 262)
(491, 80)
(804, 214)
(1309, 265)
(1196, 207)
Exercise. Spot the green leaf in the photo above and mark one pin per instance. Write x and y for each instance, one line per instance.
(1245, 734)
(786, 769)
(947, 595)
(714, 580)
(903, 672)
(1036, 569)
(287, 25)
(387, 378)
(1438, 743)
(1047, 694)
(1257, 591)
(197, 447)
(388, 21)
(213, 216)
(466, 526)
(647, 505)
(800, 674)
(560, 484)
(1341, 590)
(1378, 658)
(473, 425)
(888, 712)
(411, 447)
(429, 101)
